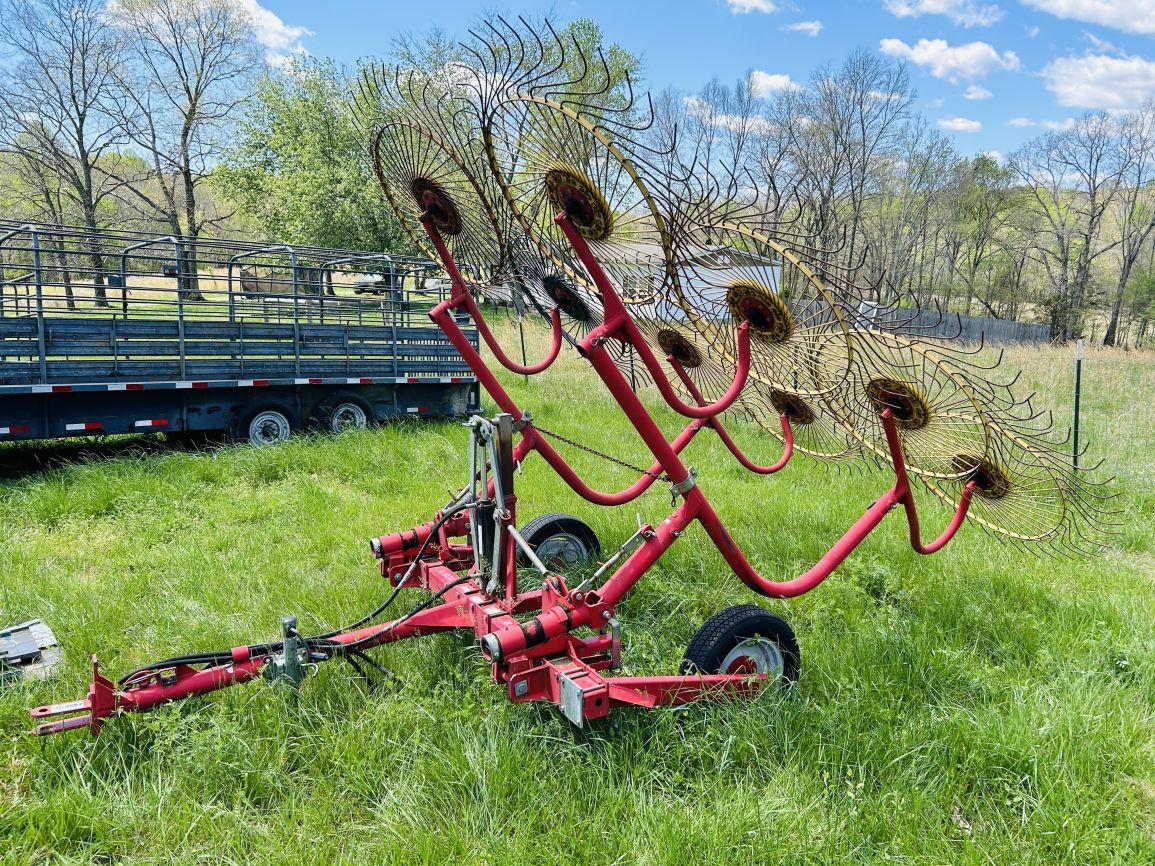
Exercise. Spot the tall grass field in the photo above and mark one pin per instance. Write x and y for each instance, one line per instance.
(977, 706)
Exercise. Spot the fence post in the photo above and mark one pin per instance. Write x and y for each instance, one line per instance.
(180, 305)
(1078, 395)
(296, 316)
(40, 337)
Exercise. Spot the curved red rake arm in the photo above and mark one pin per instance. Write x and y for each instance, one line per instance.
(619, 325)
(462, 297)
(716, 423)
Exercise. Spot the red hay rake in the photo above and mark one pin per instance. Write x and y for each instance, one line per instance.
(539, 211)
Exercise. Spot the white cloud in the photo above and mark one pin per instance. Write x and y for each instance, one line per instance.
(281, 40)
(1102, 44)
(702, 110)
(1100, 81)
(739, 7)
(1022, 122)
(1066, 123)
(977, 91)
(1032, 31)
(810, 28)
(968, 13)
(959, 124)
(766, 83)
(996, 155)
(1132, 16)
(969, 61)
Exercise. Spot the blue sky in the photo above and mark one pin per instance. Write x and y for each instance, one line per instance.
(990, 73)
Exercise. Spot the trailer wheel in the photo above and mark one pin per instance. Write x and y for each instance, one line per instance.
(744, 639)
(345, 412)
(559, 540)
(267, 424)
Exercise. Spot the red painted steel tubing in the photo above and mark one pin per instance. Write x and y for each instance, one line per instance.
(442, 316)
(777, 466)
(198, 683)
(463, 297)
(716, 423)
(723, 403)
(619, 325)
(948, 533)
(466, 300)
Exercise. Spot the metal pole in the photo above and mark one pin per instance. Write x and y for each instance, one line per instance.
(1078, 395)
(40, 335)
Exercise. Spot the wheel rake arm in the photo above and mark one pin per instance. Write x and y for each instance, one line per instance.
(462, 297)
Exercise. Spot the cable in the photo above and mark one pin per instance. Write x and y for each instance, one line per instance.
(342, 648)
(259, 650)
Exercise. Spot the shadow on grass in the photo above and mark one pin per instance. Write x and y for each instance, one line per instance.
(21, 460)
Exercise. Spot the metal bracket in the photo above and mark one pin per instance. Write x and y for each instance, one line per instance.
(681, 488)
(288, 667)
(572, 697)
(526, 420)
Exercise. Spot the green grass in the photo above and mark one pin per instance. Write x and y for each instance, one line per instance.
(977, 706)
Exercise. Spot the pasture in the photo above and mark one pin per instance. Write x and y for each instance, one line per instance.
(977, 706)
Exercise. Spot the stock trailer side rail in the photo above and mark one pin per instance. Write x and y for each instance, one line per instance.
(119, 332)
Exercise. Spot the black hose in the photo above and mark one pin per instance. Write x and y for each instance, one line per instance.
(259, 650)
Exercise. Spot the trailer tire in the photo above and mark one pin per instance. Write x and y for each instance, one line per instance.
(344, 412)
(562, 537)
(266, 424)
(744, 639)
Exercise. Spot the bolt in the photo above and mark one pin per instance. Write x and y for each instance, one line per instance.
(607, 615)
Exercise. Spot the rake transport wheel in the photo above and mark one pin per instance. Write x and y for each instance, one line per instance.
(744, 639)
(560, 541)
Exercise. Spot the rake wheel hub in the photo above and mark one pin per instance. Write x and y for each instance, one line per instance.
(796, 410)
(680, 348)
(435, 201)
(762, 309)
(571, 191)
(906, 403)
(567, 300)
(991, 480)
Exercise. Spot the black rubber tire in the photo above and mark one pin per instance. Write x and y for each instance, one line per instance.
(541, 529)
(723, 631)
(245, 418)
(324, 414)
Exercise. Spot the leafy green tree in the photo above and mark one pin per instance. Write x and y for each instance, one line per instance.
(299, 170)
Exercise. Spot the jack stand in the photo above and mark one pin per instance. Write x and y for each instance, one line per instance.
(288, 668)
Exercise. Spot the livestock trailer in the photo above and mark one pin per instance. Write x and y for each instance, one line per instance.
(120, 332)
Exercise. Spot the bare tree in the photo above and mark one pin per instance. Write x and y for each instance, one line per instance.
(1136, 208)
(57, 100)
(193, 67)
(43, 199)
(1072, 179)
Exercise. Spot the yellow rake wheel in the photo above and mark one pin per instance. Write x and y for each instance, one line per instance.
(420, 172)
(548, 158)
(934, 407)
(729, 274)
(1020, 493)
